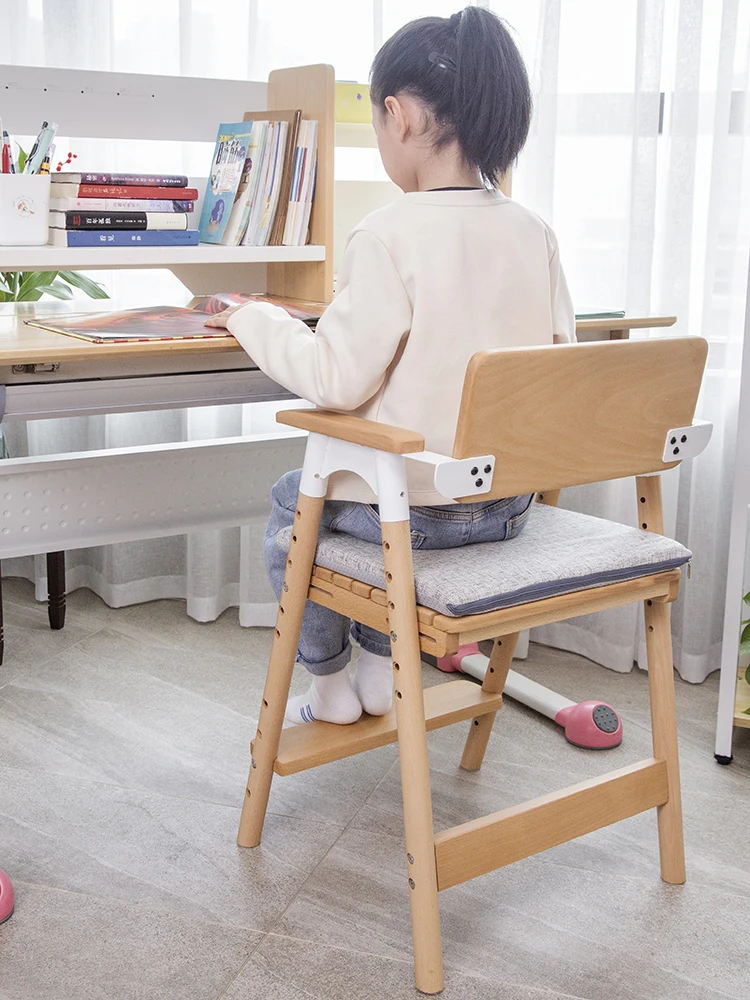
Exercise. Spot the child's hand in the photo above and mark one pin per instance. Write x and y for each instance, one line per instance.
(220, 319)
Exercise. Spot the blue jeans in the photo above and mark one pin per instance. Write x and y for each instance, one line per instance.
(324, 646)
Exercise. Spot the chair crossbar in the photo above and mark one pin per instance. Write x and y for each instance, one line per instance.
(483, 845)
(316, 743)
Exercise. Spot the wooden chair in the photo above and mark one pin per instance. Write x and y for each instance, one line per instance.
(536, 419)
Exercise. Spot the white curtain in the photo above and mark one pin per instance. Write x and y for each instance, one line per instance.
(636, 158)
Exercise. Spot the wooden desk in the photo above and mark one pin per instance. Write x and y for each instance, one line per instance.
(102, 378)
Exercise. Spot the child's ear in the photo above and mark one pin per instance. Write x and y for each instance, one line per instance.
(396, 112)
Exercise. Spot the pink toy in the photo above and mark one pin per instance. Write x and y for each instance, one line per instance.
(6, 897)
(593, 725)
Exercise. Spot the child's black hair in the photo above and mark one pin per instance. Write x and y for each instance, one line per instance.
(469, 74)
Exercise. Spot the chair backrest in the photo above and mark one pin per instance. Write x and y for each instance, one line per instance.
(569, 414)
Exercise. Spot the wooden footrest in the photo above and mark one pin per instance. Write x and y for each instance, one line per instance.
(482, 845)
(316, 743)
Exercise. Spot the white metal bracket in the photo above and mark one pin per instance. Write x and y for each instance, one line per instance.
(687, 442)
(458, 477)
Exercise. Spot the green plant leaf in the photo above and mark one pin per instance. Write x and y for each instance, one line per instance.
(746, 597)
(745, 636)
(3, 286)
(58, 290)
(747, 676)
(22, 158)
(32, 281)
(92, 288)
(744, 648)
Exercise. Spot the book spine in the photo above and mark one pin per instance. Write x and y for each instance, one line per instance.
(120, 220)
(122, 191)
(136, 180)
(129, 238)
(119, 205)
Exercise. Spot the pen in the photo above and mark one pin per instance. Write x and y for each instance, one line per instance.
(44, 169)
(40, 147)
(7, 160)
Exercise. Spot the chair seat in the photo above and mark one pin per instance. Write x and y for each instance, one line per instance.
(559, 552)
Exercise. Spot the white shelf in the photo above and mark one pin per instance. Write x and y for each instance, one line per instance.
(49, 258)
(355, 134)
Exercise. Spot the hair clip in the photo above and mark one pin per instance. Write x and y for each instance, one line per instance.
(441, 61)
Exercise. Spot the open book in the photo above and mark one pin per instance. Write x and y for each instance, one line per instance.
(158, 323)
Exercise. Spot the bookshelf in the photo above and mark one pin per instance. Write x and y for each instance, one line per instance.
(90, 104)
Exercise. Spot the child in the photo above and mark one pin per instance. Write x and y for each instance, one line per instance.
(452, 268)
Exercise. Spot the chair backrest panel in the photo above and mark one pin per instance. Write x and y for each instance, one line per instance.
(577, 413)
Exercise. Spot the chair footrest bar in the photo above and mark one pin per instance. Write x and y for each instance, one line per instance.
(316, 743)
(482, 845)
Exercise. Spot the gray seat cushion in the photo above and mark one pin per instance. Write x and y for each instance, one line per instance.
(558, 552)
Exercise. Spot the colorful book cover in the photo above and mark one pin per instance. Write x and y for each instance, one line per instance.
(123, 238)
(157, 323)
(120, 191)
(227, 168)
(118, 220)
(248, 187)
(119, 205)
(151, 323)
(139, 180)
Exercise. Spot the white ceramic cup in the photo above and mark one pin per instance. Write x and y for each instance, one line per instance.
(24, 210)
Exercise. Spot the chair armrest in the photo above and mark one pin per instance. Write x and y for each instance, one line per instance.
(371, 434)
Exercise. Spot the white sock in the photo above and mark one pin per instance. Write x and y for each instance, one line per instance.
(373, 682)
(331, 698)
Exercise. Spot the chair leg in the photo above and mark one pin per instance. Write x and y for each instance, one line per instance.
(494, 682)
(664, 735)
(281, 665)
(415, 772)
(56, 589)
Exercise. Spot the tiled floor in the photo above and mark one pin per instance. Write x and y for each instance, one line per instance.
(123, 754)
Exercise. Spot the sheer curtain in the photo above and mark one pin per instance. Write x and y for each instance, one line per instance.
(636, 157)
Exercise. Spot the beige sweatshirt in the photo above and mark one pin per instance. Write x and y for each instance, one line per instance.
(424, 284)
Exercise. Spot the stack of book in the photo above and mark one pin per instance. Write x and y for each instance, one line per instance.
(119, 210)
(262, 181)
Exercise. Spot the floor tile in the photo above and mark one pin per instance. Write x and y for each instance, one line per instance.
(68, 946)
(138, 847)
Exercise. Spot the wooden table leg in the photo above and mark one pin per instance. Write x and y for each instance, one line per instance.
(56, 588)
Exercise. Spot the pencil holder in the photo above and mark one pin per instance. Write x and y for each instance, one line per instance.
(24, 210)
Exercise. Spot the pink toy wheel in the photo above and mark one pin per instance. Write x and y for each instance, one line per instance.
(592, 725)
(6, 897)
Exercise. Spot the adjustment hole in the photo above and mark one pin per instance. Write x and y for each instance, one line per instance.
(399, 695)
(478, 482)
(298, 513)
(294, 538)
(265, 703)
(651, 628)
(396, 667)
(281, 610)
(278, 634)
(289, 562)
(389, 577)
(476, 722)
(391, 605)
(260, 734)
(675, 451)
(673, 440)
(475, 471)
(643, 499)
(412, 884)
(410, 858)
(644, 525)
(492, 670)
(649, 603)
(247, 793)
(487, 470)
(683, 438)
(387, 546)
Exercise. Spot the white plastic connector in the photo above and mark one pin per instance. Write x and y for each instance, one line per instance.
(687, 442)
(458, 477)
